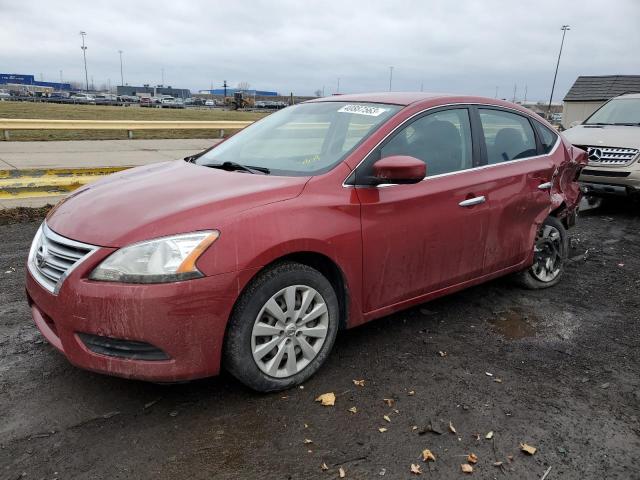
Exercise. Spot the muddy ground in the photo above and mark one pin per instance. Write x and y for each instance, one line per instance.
(568, 361)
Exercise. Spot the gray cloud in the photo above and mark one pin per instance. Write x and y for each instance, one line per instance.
(464, 46)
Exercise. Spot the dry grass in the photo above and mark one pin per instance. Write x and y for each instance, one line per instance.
(23, 214)
(98, 112)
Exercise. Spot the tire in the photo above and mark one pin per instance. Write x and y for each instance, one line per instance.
(533, 277)
(261, 362)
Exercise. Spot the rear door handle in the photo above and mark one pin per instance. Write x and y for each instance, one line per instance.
(545, 186)
(473, 201)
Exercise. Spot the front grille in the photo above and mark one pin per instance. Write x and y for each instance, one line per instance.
(53, 257)
(118, 347)
(611, 155)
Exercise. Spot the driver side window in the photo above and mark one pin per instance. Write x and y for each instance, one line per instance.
(442, 140)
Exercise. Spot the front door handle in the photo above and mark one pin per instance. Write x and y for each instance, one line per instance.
(473, 201)
(545, 186)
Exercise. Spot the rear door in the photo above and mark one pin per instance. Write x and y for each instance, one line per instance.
(424, 237)
(522, 172)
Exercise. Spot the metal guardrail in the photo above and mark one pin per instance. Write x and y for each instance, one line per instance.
(8, 124)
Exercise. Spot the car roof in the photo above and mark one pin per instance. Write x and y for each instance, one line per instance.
(411, 98)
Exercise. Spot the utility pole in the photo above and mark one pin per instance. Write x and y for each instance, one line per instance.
(390, 77)
(564, 32)
(121, 72)
(515, 89)
(224, 85)
(84, 55)
(526, 90)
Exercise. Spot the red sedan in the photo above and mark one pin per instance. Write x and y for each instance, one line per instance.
(253, 255)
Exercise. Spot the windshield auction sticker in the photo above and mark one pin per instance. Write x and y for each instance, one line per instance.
(363, 110)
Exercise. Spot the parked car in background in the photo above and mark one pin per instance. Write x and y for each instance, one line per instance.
(83, 97)
(611, 138)
(209, 103)
(4, 94)
(320, 217)
(167, 100)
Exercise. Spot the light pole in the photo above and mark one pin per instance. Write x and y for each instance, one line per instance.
(564, 32)
(84, 55)
(121, 74)
(390, 77)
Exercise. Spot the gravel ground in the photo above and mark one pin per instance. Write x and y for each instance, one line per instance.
(557, 369)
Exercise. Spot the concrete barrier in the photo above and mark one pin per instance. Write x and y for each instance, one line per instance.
(25, 184)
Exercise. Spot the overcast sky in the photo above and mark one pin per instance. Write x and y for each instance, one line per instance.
(461, 46)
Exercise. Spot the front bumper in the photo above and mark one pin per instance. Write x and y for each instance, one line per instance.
(184, 320)
(619, 181)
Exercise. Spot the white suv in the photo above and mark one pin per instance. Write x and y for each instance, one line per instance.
(611, 137)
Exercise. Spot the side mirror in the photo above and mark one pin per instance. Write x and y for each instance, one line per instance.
(399, 169)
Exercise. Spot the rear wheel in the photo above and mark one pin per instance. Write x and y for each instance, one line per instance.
(282, 328)
(549, 257)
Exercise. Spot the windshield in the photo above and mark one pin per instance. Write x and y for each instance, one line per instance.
(620, 111)
(305, 139)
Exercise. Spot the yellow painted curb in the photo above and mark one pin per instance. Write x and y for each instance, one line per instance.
(48, 182)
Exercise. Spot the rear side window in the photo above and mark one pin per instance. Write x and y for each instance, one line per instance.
(508, 136)
(547, 137)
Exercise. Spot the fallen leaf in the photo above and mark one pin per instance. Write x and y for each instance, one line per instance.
(382, 429)
(359, 383)
(341, 472)
(386, 417)
(472, 458)
(415, 469)
(411, 392)
(510, 457)
(441, 353)
(353, 410)
(528, 448)
(452, 428)
(488, 374)
(489, 435)
(388, 401)
(497, 380)
(306, 426)
(306, 440)
(466, 468)
(327, 399)
(428, 455)
(396, 410)
(382, 472)
(414, 428)
(497, 464)
(324, 467)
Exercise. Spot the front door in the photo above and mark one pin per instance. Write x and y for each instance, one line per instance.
(423, 237)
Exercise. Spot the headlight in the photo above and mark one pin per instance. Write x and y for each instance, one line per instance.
(166, 259)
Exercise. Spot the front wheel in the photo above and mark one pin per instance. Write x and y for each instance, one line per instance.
(549, 257)
(282, 328)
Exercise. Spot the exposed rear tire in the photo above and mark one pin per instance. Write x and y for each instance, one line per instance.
(550, 255)
(282, 328)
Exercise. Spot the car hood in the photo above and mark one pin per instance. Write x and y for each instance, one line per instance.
(163, 199)
(620, 136)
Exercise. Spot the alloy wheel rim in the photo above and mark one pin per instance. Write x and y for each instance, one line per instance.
(289, 331)
(547, 254)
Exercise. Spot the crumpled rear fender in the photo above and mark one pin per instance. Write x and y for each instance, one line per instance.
(565, 190)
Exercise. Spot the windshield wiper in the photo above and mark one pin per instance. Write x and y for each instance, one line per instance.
(238, 166)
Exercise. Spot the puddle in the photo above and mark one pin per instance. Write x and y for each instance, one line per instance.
(514, 324)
